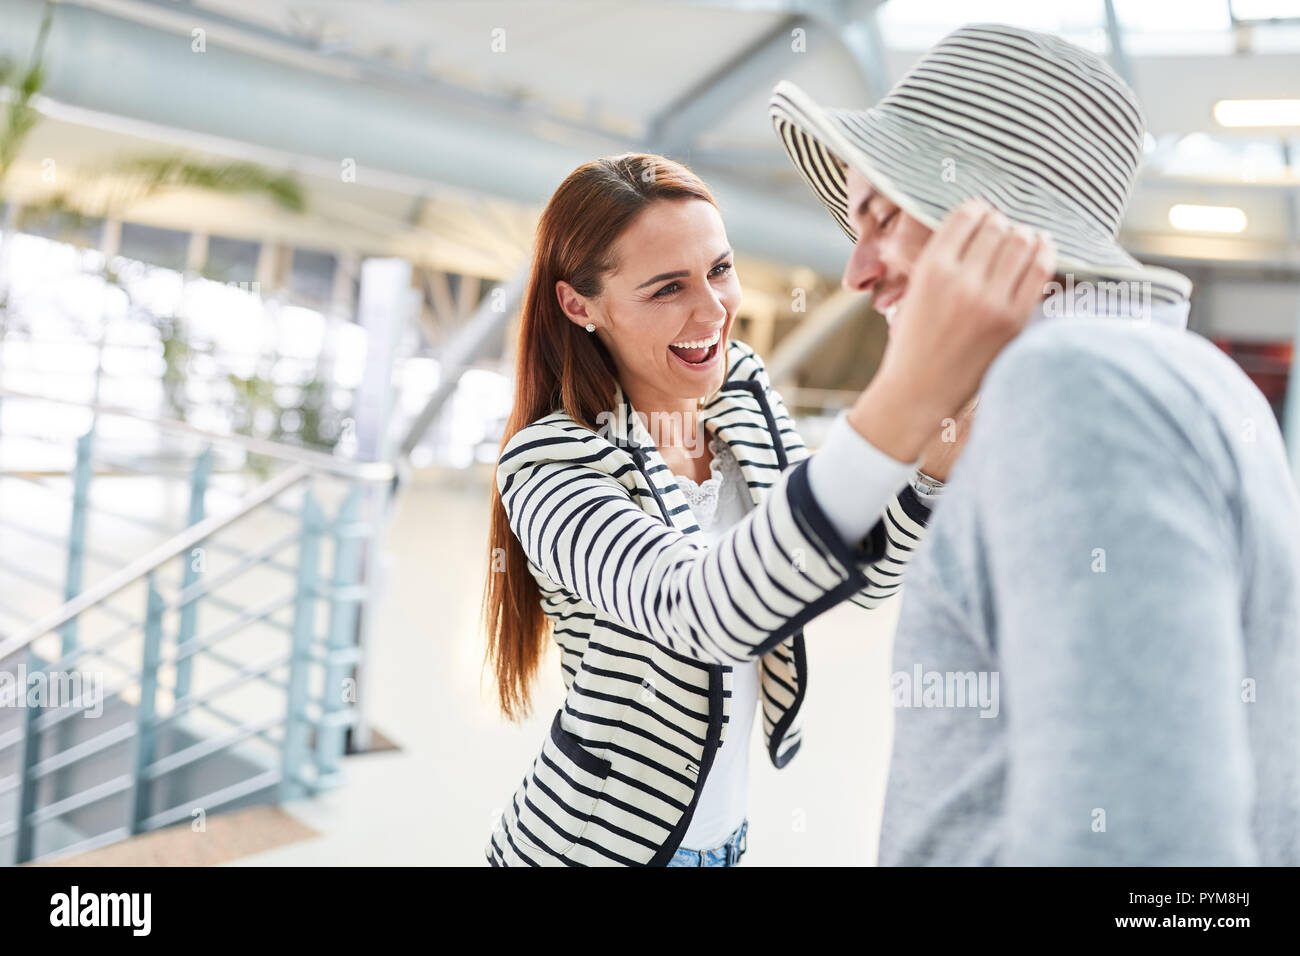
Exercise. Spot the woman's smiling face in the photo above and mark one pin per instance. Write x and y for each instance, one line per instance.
(673, 283)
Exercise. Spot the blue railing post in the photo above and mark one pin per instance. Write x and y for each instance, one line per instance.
(146, 713)
(190, 612)
(296, 727)
(345, 599)
(25, 838)
(81, 474)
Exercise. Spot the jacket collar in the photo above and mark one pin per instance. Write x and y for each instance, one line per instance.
(733, 415)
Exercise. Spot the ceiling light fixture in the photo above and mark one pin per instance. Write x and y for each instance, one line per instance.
(1257, 112)
(1207, 218)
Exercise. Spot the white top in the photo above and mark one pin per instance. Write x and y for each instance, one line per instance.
(848, 477)
(720, 502)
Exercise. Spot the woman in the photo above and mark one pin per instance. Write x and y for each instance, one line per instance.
(674, 545)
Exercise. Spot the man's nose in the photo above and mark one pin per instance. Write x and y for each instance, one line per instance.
(864, 268)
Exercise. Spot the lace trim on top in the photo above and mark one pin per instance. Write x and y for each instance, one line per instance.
(703, 497)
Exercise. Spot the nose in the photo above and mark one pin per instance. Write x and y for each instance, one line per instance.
(713, 305)
(865, 267)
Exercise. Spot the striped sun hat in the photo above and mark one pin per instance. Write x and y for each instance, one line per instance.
(1041, 129)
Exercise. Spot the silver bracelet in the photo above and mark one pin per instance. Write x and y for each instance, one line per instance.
(926, 486)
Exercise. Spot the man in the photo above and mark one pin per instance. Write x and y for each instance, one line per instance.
(1098, 654)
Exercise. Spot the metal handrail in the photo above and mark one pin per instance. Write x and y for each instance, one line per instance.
(154, 559)
(213, 800)
(209, 746)
(305, 767)
(190, 649)
(259, 558)
(366, 471)
(187, 704)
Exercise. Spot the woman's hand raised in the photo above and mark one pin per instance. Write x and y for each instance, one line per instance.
(971, 292)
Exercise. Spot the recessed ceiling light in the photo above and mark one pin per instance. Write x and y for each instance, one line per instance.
(1257, 112)
(1207, 218)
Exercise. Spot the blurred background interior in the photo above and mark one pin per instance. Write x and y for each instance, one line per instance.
(259, 270)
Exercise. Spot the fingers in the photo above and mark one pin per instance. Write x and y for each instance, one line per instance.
(1029, 290)
(982, 252)
(1014, 257)
(955, 232)
(1019, 260)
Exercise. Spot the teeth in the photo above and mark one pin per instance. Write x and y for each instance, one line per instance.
(701, 343)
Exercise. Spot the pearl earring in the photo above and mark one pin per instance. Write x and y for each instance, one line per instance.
(591, 326)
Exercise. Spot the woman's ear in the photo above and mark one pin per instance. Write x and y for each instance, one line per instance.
(575, 306)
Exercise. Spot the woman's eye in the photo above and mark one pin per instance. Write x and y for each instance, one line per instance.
(722, 268)
(888, 219)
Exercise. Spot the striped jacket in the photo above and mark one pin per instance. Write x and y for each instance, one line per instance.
(649, 620)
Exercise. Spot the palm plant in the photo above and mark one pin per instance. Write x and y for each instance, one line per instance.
(19, 116)
(110, 192)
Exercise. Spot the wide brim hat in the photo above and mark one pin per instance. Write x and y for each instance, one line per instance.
(1043, 130)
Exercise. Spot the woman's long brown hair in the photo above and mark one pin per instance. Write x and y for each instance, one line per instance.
(562, 366)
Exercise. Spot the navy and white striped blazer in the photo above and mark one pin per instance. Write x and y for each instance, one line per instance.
(650, 620)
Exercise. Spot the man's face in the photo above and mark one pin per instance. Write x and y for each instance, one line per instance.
(889, 242)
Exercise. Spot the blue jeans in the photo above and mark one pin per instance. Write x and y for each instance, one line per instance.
(728, 854)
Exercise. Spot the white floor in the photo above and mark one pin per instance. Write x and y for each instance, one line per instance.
(435, 800)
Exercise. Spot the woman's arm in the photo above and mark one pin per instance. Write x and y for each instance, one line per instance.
(776, 569)
(895, 537)
(888, 535)
(784, 563)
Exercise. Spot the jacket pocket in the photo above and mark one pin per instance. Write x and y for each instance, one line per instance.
(561, 791)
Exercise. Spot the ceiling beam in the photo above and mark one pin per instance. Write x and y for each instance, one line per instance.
(674, 129)
(855, 22)
(304, 50)
(473, 340)
(1118, 55)
(110, 65)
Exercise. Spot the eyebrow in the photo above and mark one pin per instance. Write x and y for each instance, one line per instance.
(681, 274)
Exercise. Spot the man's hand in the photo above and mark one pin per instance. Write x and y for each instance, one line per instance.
(972, 290)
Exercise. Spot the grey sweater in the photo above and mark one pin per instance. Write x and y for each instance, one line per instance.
(1098, 652)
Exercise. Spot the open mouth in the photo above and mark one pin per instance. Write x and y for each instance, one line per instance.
(698, 354)
(887, 303)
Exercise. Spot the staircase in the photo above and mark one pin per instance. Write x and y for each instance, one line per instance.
(214, 660)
